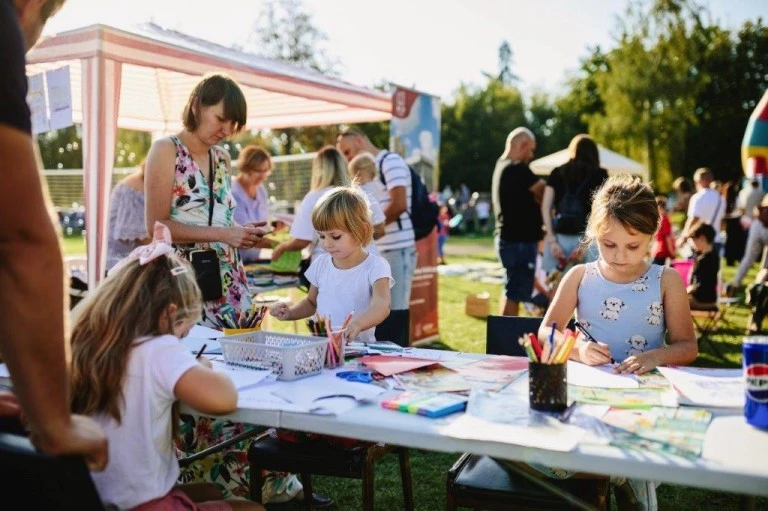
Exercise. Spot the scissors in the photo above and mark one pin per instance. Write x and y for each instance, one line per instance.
(356, 376)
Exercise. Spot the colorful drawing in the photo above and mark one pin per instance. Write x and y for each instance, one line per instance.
(677, 431)
(621, 398)
(434, 378)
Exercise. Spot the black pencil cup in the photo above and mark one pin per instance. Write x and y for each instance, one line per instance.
(547, 387)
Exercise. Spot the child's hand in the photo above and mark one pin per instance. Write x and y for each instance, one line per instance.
(281, 311)
(594, 353)
(638, 364)
(352, 331)
(205, 362)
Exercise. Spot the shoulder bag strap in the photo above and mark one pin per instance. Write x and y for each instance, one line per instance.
(211, 179)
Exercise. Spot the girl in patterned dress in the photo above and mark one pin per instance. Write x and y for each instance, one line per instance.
(626, 303)
(181, 172)
(623, 301)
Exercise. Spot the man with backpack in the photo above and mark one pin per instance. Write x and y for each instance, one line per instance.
(396, 195)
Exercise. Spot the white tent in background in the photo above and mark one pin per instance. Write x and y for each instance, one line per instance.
(140, 78)
(611, 161)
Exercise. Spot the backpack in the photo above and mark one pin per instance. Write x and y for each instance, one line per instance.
(424, 211)
(572, 214)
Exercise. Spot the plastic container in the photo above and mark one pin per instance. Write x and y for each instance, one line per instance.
(548, 387)
(289, 356)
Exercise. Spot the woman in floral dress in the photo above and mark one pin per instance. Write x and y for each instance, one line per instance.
(179, 171)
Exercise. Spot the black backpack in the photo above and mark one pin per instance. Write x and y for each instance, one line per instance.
(424, 211)
(571, 216)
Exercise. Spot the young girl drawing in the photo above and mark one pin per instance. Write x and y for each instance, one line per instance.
(623, 301)
(129, 369)
(347, 279)
(626, 303)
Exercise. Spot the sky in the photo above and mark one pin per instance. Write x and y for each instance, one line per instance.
(431, 45)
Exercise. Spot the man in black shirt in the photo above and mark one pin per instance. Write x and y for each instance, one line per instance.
(32, 300)
(516, 194)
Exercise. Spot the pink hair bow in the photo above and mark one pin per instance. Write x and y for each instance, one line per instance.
(160, 245)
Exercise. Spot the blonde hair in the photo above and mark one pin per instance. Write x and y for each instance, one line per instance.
(251, 158)
(364, 162)
(627, 200)
(346, 209)
(329, 168)
(131, 303)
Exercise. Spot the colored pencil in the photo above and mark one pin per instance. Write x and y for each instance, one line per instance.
(536, 346)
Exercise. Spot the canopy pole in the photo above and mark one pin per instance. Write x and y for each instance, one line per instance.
(101, 99)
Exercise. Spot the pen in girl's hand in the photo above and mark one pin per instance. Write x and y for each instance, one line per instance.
(201, 351)
(588, 335)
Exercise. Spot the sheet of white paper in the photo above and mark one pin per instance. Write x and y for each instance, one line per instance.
(194, 344)
(723, 388)
(309, 395)
(204, 332)
(59, 97)
(599, 376)
(242, 378)
(541, 431)
(38, 105)
(4, 373)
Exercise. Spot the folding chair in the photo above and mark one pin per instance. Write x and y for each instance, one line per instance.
(707, 319)
(42, 481)
(480, 482)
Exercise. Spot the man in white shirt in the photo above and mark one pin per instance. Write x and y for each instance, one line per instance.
(706, 206)
(757, 243)
(749, 198)
(398, 245)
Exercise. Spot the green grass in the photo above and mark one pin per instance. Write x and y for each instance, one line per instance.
(463, 333)
(73, 245)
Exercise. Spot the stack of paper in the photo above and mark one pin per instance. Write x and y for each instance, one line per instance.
(707, 387)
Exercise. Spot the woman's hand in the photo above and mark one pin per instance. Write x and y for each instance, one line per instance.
(281, 311)
(638, 364)
(594, 353)
(577, 255)
(243, 236)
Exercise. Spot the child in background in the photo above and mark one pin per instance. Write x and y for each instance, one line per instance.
(346, 279)
(542, 292)
(702, 291)
(664, 246)
(129, 370)
(444, 219)
(625, 303)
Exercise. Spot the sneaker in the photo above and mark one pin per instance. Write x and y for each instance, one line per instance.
(635, 494)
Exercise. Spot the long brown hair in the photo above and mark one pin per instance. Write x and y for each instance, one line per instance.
(627, 200)
(130, 304)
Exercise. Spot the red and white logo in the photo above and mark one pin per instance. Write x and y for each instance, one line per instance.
(756, 377)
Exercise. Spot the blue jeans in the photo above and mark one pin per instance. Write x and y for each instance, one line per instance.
(402, 262)
(569, 243)
(519, 261)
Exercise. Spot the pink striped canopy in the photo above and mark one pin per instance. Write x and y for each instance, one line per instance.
(141, 78)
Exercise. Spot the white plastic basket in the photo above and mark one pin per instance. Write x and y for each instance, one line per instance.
(289, 356)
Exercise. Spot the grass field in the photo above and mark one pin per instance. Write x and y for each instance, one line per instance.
(463, 333)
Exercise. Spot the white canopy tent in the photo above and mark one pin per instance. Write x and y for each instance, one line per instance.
(140, 78)
(611, 161)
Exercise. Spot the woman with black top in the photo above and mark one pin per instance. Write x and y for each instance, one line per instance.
(566, 204)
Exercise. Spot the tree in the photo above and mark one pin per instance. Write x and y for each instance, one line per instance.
(474, 130)
(284, 31)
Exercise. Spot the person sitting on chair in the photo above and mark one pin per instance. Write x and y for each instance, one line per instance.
(702, 291)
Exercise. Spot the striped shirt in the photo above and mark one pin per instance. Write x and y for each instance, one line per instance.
(396, 173)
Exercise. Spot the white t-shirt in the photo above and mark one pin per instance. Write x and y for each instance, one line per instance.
(709, 207)
(483, 210)
(340, 292)
(303, 229)
(142, 458)
(396, 173)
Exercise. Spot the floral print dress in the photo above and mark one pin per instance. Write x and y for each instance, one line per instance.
(190, 206)
(228, 469)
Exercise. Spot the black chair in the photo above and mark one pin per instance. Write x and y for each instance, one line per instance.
(318, 457)
(480, 482)
(42, 481)
(395, 328)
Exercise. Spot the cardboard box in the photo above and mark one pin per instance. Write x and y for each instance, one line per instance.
(478, 305)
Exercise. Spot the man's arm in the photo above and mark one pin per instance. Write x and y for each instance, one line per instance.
(537, 190)
(32, 340)
(398, 203)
